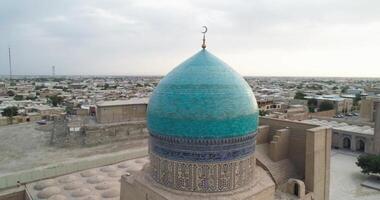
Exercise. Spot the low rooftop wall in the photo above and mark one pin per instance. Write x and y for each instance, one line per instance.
(22, 177)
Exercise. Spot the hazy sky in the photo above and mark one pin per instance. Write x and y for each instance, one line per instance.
(140, 37)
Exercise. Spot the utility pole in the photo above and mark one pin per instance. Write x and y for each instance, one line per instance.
(10, 64)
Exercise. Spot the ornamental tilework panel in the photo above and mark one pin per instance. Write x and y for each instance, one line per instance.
(202, 177)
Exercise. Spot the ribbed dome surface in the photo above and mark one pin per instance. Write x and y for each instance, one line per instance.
(202, 98)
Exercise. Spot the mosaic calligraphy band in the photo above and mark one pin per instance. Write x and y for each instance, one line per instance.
(202, 165)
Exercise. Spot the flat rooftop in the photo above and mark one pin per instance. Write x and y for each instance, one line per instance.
(133, 101)
(326, 97)
(104, 182)
(95, 183)
(26, 146)
(342, 126)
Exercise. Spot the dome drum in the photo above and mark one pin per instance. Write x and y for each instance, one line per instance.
(202, 177)
(202, 118)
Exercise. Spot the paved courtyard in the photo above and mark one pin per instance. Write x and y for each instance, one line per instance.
(346, 178)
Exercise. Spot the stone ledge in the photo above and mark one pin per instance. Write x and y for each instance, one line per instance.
(372, 182)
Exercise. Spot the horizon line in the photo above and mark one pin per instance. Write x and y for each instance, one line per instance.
(155, 75)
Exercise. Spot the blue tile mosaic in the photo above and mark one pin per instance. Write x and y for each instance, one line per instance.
(202, 98)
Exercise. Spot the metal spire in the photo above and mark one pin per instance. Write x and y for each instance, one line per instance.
(204, 36)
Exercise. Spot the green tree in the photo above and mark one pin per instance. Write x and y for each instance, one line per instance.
(370, 164)
(299, 95)
(55, 100)
(263, 112)
(18, 97)
(31, 98)
(11, 93)
(58, 87)
(312, 104)
(106, 86)
(39, 87)
(326, 105)
(10, 112)
(344, 89)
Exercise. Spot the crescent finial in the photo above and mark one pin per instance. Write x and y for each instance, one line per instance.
(204, 36)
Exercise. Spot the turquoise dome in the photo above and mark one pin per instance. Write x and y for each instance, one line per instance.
(202, 98)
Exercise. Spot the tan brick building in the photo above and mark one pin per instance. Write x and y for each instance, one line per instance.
(355, 136)
(121, 110)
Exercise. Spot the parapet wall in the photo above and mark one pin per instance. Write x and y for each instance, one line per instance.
(279, 146)
(96, 134)
(297, 138)
(16, 179)
(114, 132)
(308, 147)
(262, 136)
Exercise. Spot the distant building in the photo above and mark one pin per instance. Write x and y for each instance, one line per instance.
(341, 105)
(47, 112)
(355, 137)
(292, 112)
(77, 85)
(268, 104)
(121, 110)
(355, 91)
(265, 104)
(373, 91)
(298, 102)
(297, 112)
(45, 92)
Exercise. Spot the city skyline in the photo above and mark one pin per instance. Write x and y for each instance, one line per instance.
(258, 38)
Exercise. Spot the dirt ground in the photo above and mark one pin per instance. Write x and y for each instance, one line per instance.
(22, 147)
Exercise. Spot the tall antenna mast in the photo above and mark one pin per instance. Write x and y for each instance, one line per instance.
(10, 64)
(53, 70)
